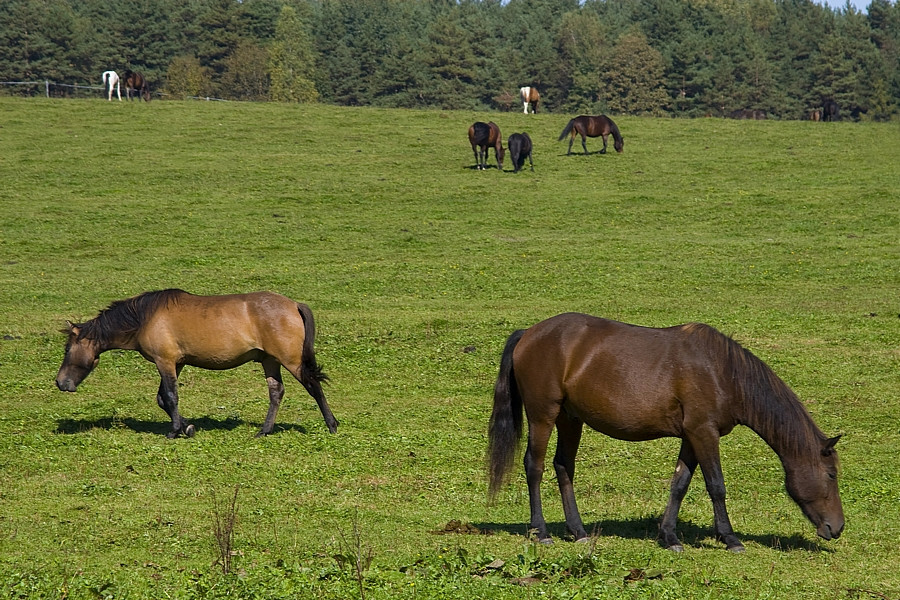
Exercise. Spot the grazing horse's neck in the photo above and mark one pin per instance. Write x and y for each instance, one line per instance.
(778, 417)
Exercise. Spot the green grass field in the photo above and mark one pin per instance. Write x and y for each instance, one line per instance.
(785, 235)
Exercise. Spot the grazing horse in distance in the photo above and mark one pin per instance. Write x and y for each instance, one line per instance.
(640, 383)
(172, 328)
(593, 126)
(482, 136)
(831, 111)
(110, 81)
(530, 95)
(135, 83)
(815, 115)
(520, 147)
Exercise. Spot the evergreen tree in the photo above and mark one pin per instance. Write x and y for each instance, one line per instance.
(634, 81)
(582, 48)
(451, 64)
(291, 62)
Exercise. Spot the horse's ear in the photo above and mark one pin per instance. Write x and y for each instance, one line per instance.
(70, 328)
(829, 446)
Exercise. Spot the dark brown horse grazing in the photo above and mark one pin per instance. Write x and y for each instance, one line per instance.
(135, 83)
(520, 147)
(173, 328)
(482, 136)
(587, 126)
(638, 383)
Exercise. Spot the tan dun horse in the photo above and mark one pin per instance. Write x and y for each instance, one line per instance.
(483, 136)
(638, 383)
(596, 126)
(172, 328)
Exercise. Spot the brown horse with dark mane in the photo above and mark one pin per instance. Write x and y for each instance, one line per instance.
(172, 328)
(639, 383)
(135, 83)
(596, 126)
(482, 136)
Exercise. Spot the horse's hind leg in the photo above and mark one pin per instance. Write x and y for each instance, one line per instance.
(584, 144)
(311, 378)
(569, 437)
(313, 384)
(535, 454)
(272, 369)
(684, 471)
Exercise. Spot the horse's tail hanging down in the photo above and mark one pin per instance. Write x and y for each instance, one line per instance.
(505, 429)
(567, 130)
(310, 372)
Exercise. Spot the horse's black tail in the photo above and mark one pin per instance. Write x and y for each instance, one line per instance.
(310, 371)
(567, 130)
(311, 375)
(505, 429)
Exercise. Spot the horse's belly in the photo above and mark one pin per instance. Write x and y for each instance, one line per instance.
(633, 422)
(224, 359)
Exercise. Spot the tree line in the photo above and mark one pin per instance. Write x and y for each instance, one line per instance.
(638, 57)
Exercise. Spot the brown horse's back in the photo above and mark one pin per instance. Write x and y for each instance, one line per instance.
(222, 332)
(628, 382)
(592, 126)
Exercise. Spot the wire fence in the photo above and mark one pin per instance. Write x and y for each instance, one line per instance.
(52, 89)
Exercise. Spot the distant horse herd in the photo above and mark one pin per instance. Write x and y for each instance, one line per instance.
(629, 382)
(136, 85)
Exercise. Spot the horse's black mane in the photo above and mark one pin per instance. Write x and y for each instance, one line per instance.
(126, 317)
(768, 406)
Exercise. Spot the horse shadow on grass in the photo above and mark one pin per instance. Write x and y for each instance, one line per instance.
(692, 535)
(76, 426)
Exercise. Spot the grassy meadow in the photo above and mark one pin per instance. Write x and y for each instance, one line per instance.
(785, 235)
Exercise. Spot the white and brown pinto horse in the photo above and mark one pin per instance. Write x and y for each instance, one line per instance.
(529, 95)
(110, 81)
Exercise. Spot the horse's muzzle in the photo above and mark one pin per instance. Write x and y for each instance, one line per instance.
(828, 532)
(66, 385)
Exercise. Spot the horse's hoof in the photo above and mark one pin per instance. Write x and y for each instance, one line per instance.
(545, 541)
(583, 540)
(172, 435)
(739, 549)
(676, 548)
(189, 431)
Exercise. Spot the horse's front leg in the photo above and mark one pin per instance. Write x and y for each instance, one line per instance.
(604, 144)
(167, 398)
(684, 471)
(525, 107)
(706, 449)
